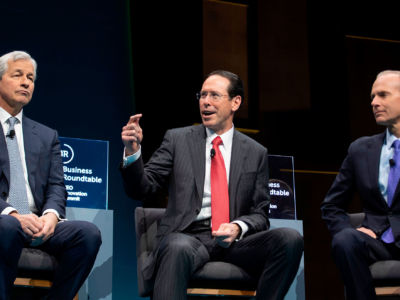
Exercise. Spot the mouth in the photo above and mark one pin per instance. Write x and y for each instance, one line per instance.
(207, 113)
(23, 93)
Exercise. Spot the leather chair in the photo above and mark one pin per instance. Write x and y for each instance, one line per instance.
(386, 274)
(35, 269)
(214, 278)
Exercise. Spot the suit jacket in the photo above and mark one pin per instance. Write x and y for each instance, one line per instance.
(179, 165)
(44, 167)
(360, 172)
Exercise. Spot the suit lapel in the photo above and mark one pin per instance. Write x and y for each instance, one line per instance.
(197, 144)
(238, 158)
(4, 161)
(32, 149)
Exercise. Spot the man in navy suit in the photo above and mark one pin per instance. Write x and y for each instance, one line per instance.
(41, 223)
(182, 164)
(370, 168)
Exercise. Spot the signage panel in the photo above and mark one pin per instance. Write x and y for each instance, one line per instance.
(281, 187)
(85, 165)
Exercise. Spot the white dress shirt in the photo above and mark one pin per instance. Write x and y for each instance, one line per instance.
(225, 149)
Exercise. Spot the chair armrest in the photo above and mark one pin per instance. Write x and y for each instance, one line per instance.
(356, 219)
(146, 220)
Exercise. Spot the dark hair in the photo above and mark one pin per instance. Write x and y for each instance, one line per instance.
(235, 87)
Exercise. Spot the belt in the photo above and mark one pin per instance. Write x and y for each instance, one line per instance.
(205, 222)
(199, 225)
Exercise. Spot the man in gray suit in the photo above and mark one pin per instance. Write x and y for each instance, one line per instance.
(189, 234)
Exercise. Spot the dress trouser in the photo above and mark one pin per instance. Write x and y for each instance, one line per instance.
(273, 256)
(74, 244)
(353, 252)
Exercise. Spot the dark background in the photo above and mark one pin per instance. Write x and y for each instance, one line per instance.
(309, 67)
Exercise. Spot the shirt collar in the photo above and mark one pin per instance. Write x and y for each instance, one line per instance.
(390, 138)
(226, 136)
(4, 116)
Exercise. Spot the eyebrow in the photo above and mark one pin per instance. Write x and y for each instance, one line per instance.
(21, 71)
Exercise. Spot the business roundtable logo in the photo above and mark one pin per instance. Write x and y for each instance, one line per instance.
(67, 153)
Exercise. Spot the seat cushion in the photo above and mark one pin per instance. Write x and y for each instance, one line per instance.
(222, 275)
(218, 275)
(35, 263)
(386, 273)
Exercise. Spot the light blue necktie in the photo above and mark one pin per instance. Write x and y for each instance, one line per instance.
(17, 197)
(394, 176)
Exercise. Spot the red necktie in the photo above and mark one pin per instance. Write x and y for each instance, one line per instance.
(219, 188)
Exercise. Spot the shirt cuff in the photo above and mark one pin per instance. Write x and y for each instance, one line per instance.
(50, 210)
(127, 160)
(8, 210)
(242, 226)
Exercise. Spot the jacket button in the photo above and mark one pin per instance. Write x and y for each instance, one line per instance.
(4, 194)
(197, 211)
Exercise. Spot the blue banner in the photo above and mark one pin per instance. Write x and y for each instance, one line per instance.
(85, 165)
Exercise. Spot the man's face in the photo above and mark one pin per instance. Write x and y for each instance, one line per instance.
(216, 107)
(16, 86)
(385, 95)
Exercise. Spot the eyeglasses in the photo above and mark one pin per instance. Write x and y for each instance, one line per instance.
(213, 95)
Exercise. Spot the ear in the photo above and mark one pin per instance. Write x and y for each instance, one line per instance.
(235, 102)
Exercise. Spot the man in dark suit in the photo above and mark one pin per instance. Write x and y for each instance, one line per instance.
(371, 168)
(190, 233)
(32, 191)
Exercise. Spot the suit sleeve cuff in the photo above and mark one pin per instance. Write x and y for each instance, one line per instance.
(127, 160)
(243, 226)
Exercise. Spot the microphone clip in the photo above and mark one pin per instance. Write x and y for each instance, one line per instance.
(392, 162)
(212, 153)
(11, 134)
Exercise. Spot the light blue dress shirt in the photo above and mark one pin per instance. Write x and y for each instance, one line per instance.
(384, 164)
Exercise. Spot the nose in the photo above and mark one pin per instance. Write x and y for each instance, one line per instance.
(206, 100)
(25, 82)
(375, 101)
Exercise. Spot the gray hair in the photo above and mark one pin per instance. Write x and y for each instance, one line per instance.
(14, 56)
(388, 72)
